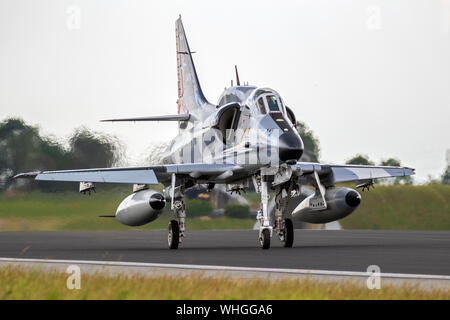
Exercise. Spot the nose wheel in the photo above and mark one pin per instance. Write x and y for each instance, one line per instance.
(173, 235)
(264, 239)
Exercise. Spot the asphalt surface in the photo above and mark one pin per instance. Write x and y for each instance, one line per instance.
(413, 252)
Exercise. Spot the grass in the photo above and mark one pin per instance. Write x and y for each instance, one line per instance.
(72, 211)
(19, 283)
(400, 207)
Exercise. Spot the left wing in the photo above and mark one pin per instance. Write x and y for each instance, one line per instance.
(332, 174)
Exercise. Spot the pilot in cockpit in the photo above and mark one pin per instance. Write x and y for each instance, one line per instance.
(261, 106)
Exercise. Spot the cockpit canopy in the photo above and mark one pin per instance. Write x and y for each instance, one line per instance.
(264, 101)
(260, 101)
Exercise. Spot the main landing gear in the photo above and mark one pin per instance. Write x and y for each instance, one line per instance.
(173, 236)
(278, 222)
(286, 233)
(176, 227)
(284, 227)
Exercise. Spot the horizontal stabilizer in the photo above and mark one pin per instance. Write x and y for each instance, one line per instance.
(174, 117)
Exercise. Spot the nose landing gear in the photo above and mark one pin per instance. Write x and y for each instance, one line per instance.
(264, 238)
(265, 229)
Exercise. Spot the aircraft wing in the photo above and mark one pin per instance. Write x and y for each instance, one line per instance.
(346, 173)
(140, 175)
(329, 174)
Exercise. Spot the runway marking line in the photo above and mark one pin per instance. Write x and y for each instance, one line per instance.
(228, 268)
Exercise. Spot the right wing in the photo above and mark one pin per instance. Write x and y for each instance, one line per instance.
(142, 175)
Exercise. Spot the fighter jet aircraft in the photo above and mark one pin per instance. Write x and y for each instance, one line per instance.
(249, 136)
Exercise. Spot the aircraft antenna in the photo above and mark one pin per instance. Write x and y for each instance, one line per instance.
(237, 76)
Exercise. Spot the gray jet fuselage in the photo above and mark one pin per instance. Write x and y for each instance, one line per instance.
(249, 125)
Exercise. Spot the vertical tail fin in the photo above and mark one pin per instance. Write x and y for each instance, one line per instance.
(190, 94)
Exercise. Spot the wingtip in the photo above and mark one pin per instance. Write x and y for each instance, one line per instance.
(27, 175)
(411, 171)
(112, 120)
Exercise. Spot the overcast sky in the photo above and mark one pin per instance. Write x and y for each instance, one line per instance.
(369, 77)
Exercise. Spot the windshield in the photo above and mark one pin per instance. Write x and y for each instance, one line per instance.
(264, 101)
(272, 102)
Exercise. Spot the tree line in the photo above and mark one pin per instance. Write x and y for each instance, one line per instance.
(312, 154)
(23, 148)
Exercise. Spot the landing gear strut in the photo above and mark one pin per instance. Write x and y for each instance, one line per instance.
(265, 229)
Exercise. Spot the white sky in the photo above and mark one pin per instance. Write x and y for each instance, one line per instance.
(368, 77)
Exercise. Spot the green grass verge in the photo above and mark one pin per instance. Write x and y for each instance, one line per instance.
(72, 211)
(400, 207)
(17, 283)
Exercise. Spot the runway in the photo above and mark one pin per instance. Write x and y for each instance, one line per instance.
(407, 252)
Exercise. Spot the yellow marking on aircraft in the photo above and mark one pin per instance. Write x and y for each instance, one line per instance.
(239, 145)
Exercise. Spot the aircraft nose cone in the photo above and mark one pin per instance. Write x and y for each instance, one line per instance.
(290, 147)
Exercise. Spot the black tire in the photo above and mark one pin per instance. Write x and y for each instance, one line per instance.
(288, 233)
(173, 236)
(264, 240)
